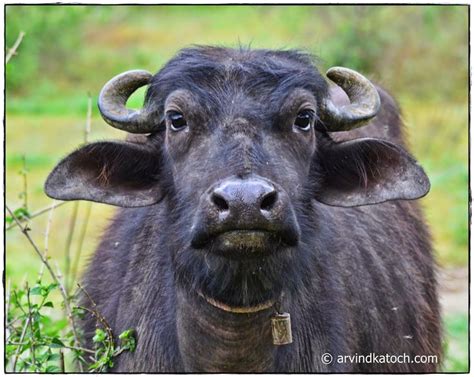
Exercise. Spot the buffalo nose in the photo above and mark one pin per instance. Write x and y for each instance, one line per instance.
(249, 197)
(244, 214)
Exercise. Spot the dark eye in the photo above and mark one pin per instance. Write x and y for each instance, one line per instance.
(177, 120)
(304, 119)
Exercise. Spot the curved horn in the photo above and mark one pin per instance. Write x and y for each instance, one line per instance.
(114, 96)
(364, 98)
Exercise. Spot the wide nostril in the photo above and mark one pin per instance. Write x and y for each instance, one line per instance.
(268, 201)
(219, 202)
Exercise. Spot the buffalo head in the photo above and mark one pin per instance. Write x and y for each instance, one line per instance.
(237, 147)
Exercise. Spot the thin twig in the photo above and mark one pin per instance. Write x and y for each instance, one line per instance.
(82, 349)
(61, 278)
(12, 51)
(96, 313)
(53, 276)
(46, 239)
(104, 323)
(22, 337)
(61, 361)
(82, 236)
(19, 305)
(37, 213)
(8, 289)
(32, 243)
(67, 254)
(24, 194)
(30, 316)
(87, 295)
(13, 321)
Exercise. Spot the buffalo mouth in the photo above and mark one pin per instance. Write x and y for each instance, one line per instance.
(243, 269)
(238, 309)
(244, 243)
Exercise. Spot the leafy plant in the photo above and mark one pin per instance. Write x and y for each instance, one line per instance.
(38, 341)
(32, 344)
(106, 350)
(21, 213)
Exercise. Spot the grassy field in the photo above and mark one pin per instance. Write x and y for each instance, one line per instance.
(69, 52)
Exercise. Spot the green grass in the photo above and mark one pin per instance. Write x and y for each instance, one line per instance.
(438, 136)
(49, 138)
(456, 348)
(70, 104)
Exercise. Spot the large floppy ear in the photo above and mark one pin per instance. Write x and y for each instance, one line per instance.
(367, 171)
(120, 173)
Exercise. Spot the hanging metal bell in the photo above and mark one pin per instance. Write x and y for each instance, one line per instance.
(281, 329)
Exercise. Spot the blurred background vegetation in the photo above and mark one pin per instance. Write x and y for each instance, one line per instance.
(418, 53)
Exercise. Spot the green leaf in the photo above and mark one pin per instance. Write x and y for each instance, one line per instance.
(99, 336)
(51, 287)
(126, 334)
(36, 290)
(56, 343)
(48, 304)
(42, 358)
(93, 367)
(127, 340)
(54, 357)
(10, 349)
(79, 312)
(20, 213)
(53, 369)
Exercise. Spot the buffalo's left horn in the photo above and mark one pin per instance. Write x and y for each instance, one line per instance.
(363, 96)
(113, 98)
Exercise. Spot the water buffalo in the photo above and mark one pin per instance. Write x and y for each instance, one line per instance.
(253, 192)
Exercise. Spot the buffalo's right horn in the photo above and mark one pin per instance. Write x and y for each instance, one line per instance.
(364, 98)
(113, 98)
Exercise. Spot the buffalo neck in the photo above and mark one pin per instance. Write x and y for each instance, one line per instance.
(215, 340)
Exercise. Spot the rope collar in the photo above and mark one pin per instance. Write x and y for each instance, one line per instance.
(237, 309)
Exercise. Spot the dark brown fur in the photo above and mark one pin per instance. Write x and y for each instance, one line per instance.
(361, 280)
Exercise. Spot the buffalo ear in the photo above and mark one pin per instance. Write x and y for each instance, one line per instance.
(119, 173)
(367, 171)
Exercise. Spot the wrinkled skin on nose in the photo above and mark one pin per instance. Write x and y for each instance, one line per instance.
(242, 217)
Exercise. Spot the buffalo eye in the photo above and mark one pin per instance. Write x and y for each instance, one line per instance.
(176, 120)
(304, 119)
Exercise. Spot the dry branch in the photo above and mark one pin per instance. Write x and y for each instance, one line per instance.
(46, 239)
(67, 254)
(37, 213)
(12, 51)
